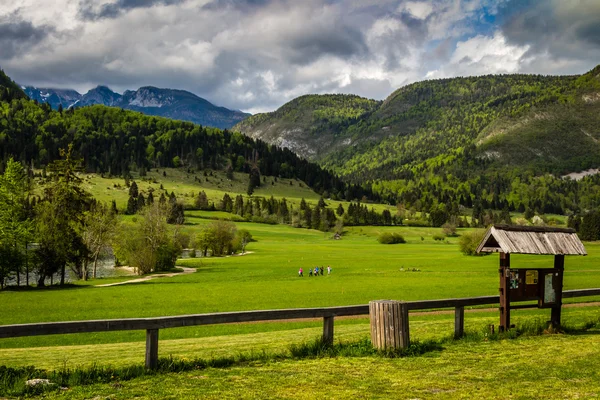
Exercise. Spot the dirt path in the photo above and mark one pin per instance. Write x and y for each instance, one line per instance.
(186, 271)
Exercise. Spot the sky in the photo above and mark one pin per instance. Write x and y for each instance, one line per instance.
(255, 55)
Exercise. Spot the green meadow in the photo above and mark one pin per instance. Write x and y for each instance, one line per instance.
(187, 185)
(266, 277)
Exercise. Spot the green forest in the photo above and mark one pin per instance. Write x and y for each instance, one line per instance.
(498, 141)
(115, 142)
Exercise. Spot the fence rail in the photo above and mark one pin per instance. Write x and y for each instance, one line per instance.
(152, 325)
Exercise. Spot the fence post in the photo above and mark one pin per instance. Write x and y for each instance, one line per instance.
(328, 330)
(459, 322)
(151, 348)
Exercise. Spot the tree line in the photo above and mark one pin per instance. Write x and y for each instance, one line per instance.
(114, 141)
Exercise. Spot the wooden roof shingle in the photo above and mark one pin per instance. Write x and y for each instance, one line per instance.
(531, 240)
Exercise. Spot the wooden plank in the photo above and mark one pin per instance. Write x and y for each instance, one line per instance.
(386, 324)
(328, 330)
(371, 316)
(459, 322)
(396, 326)
(152, 348)
(559, 265)
(451, 303)
(380, 328)
(404, 327)
(569, 294)
(52, 328)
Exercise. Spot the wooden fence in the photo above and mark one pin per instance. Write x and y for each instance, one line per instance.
(152, 325)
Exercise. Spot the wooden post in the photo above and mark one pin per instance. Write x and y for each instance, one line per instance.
(459, 322)
(389, 324)
(328, 330)
(559, 265)
(151, 348)
(504, 291)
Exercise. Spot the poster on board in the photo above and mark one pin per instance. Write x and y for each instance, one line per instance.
(531, 277)
(549, 292)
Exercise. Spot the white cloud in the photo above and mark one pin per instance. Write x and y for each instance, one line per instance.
(482, 55)
(419, 9)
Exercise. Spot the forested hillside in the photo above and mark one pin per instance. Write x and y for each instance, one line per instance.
(115, 141)
(8, 89)
(496, 141)
(312, 126)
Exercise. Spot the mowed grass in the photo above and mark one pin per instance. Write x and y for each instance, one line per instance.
(276, 339)
(266, 278)
(540, 367)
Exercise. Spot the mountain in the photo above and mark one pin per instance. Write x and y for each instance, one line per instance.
(170, 103)
(99, 95)
(528, 121)
(54, 97)
(312, 126)
(179, 104)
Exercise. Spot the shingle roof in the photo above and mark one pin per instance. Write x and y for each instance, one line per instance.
(531, 240)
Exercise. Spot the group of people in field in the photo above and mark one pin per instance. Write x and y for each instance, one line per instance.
(315, 271)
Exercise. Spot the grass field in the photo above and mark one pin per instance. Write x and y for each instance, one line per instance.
(186, 187)
(528, 368)
(266, 278)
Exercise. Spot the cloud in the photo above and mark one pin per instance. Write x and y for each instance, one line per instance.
(560, 33)
(89, 10)
(420, 10)
(17, 36)
(259, 54)
(482, 55)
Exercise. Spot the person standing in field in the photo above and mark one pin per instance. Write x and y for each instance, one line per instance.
(300, 272)
(322, 270)
(310, 272)
(317, 270)
(328, 270)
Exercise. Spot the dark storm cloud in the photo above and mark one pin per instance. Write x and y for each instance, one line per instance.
(113, 10)
(342, 41)
(17, 36)
(590, 32)
(561, 28)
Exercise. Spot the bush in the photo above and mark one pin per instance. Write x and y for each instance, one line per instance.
(469, 241)
(166, 256)
(439, 237)
(416, 223)
(391, 238)
(449, 229)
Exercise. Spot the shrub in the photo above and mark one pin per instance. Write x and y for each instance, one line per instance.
(390, 238)
(439, 237)
(469, 241)
(166, 256)
(449, 229)
(416, 222)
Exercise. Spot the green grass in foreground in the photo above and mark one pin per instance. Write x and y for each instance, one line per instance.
(479, 365)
